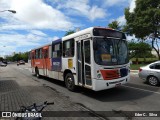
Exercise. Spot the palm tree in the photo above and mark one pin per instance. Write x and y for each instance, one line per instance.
(69, 32)
(114, 25)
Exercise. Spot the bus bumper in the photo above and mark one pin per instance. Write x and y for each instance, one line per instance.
(107, 84)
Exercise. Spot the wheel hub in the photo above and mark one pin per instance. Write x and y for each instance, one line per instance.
(69, 82)
(153, 81)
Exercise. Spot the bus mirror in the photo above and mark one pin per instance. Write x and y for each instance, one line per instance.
(95, 45)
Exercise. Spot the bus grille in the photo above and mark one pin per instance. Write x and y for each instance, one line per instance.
(114, 73)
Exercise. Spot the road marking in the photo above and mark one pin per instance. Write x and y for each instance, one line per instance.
(141, 89)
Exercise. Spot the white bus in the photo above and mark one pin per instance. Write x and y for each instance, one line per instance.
(94, 58)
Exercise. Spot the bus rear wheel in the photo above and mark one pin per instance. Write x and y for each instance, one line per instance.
(69, 82)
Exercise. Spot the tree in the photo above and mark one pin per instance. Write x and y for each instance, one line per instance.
(69, 32)
(1, 58)
(24, 56)
(144, 21)
(18, 56)
(114, 25)
(137, 48)
(9, 58)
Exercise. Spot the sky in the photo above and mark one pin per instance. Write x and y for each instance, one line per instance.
(38, 22)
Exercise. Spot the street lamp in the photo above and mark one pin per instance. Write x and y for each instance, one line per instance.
(12, 11)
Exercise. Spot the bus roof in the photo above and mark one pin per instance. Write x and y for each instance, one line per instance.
(42, 46)
(82, 32)
(85, 31)
(79, 33)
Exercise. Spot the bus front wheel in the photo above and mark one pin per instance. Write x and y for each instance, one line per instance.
(69, 82)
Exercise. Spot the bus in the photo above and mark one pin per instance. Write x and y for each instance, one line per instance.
(95, 58)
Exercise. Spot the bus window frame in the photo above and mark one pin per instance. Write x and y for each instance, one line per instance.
(38, 53)
(33, 55)
(45, 53)
(72, 48)
(60, 50)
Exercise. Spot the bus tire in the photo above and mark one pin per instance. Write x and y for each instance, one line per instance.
(37, 73)
(69, 82)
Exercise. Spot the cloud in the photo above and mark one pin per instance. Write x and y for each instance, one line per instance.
(130, 38)
(132, 5)
(121, 20)
(18, 40)
(21, 42)
(35, 14)
(55, 38)
(38, 32)
(7, 50)
(82, 8)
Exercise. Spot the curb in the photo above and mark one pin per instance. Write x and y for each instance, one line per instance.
(134, 71)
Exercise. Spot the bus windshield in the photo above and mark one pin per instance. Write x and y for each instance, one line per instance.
(110, 51)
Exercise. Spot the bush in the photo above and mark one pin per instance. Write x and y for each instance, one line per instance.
(141, 60)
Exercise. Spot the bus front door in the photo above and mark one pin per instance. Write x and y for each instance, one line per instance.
(84, 63)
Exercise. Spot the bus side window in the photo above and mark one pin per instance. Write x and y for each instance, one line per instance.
(45, 52)
(36, 57)
(57, 50)
(68, 48)
(40, 53)
(33, 55)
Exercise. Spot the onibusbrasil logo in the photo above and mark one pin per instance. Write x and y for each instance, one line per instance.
(17, 114)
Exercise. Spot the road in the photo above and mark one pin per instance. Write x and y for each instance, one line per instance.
(134, 96)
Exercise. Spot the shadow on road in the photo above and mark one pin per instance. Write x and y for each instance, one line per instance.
(117, 94)
(120, 93)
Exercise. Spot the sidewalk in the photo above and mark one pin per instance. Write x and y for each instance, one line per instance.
(135, 71)
(18, 89)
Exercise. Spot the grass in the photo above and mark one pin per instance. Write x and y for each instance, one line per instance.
(136, 67)
(142, 59)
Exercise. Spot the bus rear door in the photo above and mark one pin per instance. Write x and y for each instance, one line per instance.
(45, 57)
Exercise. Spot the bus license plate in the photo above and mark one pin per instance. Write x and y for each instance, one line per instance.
(119, 84)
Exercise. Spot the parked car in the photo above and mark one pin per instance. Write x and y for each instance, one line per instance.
(21, 62)
(151, 73)
(3, 64)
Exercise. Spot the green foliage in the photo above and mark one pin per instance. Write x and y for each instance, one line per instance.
(69, 32)
(148, 59)
(136, 67)
(1, 58)
(141, 62)
(18, 56)
(114, 25)
(144, 21)
(140, 49)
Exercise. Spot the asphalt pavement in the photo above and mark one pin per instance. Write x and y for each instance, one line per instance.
(19, 87)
